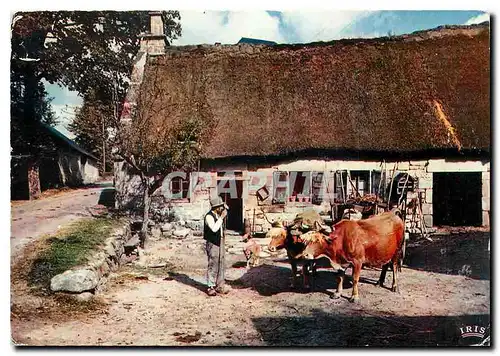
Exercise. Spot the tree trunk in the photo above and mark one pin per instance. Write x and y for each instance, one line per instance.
(33, 180)
(103, 147)
(31, 131)
(145, 214)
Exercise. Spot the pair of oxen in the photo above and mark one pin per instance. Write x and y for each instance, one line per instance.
(376, 242)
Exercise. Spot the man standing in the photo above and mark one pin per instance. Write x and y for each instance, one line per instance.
(213, 233)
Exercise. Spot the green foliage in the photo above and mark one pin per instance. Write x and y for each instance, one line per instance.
(183, 151)
(25, 134)
(90, 126)
(79, 49)
(70, 248)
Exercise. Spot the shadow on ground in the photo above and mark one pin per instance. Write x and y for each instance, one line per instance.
(185, 279)
(107, 197)
(268, 280)
(458, 254)
(337, 330)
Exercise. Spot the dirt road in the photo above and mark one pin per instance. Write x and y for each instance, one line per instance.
(168, 306)
(32, 219)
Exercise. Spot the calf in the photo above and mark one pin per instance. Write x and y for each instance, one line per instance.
(251, 250)
(376, 242)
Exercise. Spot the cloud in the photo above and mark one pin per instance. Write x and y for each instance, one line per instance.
(478, 19)
(310, 26)
(227, 27)
(286, 27)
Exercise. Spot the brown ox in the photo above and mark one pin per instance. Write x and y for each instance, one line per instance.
(376, 242)
(282, 238)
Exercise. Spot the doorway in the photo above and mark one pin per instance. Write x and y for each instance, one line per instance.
(234, 199)
(456, 199)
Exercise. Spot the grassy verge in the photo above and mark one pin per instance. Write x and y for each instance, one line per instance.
(69, 248)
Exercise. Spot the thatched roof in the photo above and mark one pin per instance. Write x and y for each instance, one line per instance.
(428, 91)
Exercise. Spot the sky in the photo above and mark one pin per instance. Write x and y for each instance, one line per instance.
(228, 27)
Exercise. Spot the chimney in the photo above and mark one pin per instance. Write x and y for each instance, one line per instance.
(156, 23)
(155, 41)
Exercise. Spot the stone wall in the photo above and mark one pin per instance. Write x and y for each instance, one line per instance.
(85, 280)
(203, 184)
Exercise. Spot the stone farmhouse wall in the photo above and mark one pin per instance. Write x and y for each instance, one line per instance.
(259, 212)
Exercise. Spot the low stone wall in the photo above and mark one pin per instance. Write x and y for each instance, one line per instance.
(84, 281)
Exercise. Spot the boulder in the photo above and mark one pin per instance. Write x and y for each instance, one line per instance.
(133, 242)
(74, 281)
(109, 249)
(195, 225)
(156, 232)
(182, 232)
(83, 297)
(166, 227)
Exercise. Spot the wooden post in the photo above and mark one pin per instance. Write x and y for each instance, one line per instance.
(253, 222)
(352, 184)
(103, 147)
(342, 187)
(390, 189)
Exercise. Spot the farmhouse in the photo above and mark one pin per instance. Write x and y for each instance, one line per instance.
(314, 125)
(67, 164)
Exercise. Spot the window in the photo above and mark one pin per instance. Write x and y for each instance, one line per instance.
(376, 183)
(317, 187)
(179, 187)
(300, 185)
(280, 182)
(340, 187)
(360, 183)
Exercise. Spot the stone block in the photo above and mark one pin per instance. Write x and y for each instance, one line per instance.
(82, 297)
(109, 249)
(166, 227)
(74, 281)
(485, 203)
(156, 232)
(428, 220)
(486, 218)
(427, 209)
(181, 232)
(194, 224)
(428, 196)
(403, 166)
(425, 182)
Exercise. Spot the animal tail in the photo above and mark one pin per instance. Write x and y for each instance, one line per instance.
(402, 248)
(402, 255)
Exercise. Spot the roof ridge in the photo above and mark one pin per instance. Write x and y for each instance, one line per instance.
(441, 31)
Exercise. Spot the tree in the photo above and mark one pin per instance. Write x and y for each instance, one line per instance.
(91, 128)
(77, 49)
(154, 144)
(25, 139)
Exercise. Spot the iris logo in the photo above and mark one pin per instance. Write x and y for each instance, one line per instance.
(472, 331)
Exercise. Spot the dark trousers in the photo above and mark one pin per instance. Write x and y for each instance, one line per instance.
(216, 264)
